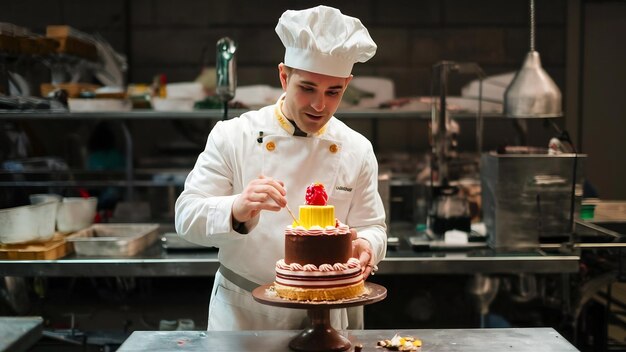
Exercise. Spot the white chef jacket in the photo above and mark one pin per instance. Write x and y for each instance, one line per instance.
(262, 143)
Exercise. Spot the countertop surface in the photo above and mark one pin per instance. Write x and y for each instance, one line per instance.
(443, 340)
(408, 257)
(19, 333)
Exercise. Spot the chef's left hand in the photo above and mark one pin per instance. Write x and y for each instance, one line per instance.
(362, 250)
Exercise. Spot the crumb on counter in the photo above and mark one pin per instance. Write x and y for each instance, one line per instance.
(398, 343)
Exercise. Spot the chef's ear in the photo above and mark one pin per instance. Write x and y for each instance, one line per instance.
(283, 75)
(348, 79)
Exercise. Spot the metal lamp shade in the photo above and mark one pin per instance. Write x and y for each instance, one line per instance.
(532, 93)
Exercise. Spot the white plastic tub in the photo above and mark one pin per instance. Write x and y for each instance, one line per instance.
(76, 213)
(28, 223)
(44, 198)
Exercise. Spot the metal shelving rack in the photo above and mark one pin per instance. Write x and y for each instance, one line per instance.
(130, 181)
(217, 114)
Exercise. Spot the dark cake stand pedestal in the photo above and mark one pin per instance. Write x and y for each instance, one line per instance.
(320, 336)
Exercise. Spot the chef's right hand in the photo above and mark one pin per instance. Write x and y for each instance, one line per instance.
(263, 193)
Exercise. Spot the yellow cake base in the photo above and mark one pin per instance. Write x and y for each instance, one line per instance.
(316, 215)
(321, 294)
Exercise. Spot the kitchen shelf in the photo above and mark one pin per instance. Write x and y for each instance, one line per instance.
(217, 114)
(130, 180)
(91, 178)
(109, 183)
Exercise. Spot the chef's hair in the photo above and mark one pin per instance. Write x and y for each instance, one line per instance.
(288, 70)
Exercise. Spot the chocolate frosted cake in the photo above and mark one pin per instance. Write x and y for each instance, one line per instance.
(318, 263)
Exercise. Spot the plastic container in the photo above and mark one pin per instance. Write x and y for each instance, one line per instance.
(588, 208)
(172, 104)
(186, 325)
(76, 213)
(168, 325)
(43, 198)
(28, 223)
(100, 104)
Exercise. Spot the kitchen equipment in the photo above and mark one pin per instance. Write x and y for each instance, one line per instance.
(226, 70)
(588, 208)
(527, 197)
(601, 230)
(532, 93)
(173, 241)
(483, 289)
(444, 132)
(450, 211)
(384, 190)
(123, 240)
(28, 223)
(14, 291)
(76, 213)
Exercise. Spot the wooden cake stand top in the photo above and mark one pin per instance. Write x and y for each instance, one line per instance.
(321, 336)
(264, 294)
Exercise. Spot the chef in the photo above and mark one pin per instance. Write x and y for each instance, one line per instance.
(255, 165)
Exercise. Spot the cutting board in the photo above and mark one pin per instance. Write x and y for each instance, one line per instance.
(55, 248)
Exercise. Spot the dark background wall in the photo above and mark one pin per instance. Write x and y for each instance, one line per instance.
(602, 104)
(177, 38)
(169, 36)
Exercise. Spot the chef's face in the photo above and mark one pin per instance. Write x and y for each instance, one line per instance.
(311, 98)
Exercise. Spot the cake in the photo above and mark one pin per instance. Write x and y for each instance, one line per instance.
(318, 263)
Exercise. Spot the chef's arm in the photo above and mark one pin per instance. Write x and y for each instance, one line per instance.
(203, 211)
(262, 193)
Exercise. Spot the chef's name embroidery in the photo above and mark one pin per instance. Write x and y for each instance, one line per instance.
(343, 188)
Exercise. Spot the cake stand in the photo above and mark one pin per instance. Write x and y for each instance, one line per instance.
(320, 336)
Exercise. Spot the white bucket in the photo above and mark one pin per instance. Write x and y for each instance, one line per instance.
(76, 213)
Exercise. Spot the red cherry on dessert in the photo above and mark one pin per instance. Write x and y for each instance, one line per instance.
(316, 194)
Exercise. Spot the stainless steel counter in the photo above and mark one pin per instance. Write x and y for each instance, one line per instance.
(19, 333)
(445, 340)
(157, 262)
